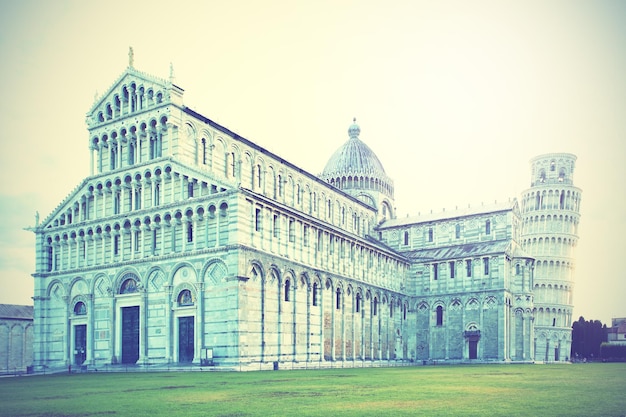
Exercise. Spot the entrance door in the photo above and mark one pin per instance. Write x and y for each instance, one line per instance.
(130, 334)
(473, 349)
(185, 339)
(80, 344)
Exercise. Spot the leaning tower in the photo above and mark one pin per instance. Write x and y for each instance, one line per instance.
(551, 211)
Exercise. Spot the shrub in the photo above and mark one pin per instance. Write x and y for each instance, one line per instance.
(613, 353)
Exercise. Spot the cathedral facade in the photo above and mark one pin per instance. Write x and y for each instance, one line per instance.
(189, 244)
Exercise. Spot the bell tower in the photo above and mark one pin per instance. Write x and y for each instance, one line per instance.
(551, 213)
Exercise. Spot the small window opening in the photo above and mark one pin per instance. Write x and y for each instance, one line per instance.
(439, 313)
(257, 220)
(314, 295)
(276, 226)
(137, 240)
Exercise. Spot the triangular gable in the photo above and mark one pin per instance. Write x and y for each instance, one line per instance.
(141, 80)
(64, 205)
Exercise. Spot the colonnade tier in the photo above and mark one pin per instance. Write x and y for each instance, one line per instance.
(158, 185)
(540, 199)
(361, 182)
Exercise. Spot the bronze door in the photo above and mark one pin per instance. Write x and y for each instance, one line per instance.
(80, 344)
(130, 334)
(185, 339)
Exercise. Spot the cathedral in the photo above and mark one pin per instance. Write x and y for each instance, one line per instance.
(188, 244)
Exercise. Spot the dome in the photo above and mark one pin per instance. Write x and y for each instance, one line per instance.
(355, 169)
(353, 158)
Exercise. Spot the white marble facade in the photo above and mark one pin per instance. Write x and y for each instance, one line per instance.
(190, 244)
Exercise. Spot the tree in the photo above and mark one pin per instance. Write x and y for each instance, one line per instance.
(587, 336)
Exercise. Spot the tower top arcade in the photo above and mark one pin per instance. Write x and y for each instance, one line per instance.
(552, 168)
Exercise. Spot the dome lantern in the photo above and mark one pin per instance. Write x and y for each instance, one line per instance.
(354, 130)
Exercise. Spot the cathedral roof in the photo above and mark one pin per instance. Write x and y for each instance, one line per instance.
(452, 214)
(12, 311)
(466, 250)
(353, 158)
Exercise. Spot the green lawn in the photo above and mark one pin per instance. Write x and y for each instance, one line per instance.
(469, 390)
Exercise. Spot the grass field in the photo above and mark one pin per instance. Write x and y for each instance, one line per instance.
(468, 390)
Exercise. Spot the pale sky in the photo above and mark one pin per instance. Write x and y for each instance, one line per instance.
(455, 97)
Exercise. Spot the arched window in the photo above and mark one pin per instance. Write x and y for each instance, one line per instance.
(204, 151)
(375, 306)
(439, 313)
(80, 309)
(157, 194)
(358, 303)
(189, 232)
(185, 298)
(153, 147)
(537, 202)
(113, 156)
(406, 238)
(287, 289)
(338, 299)
(117, 203)
(138, 198)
